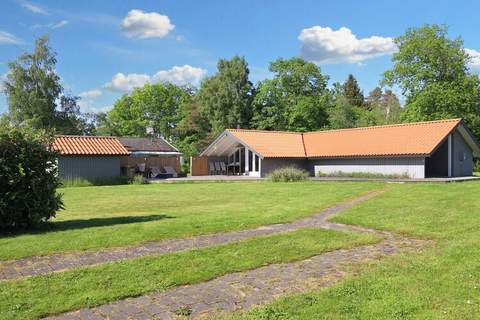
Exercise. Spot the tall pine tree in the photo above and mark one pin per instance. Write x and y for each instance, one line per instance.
(352, 92)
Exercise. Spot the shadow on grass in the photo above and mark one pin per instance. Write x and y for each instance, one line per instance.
(83, 224)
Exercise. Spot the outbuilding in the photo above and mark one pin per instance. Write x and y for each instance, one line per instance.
(443, 148)
(89, 157)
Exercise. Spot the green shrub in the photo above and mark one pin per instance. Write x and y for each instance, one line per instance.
(82, 182)
(139, 179)
(287, 174)
(28, 178)
(364, 175)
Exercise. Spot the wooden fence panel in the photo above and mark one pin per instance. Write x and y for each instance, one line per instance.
(199, 166)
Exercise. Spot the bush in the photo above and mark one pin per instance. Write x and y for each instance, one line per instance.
(139, 179)
(364, 175)
(28, 178)
(287, 174)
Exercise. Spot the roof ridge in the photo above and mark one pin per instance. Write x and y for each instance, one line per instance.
(388, 125)
(80, 136)
(264, 131)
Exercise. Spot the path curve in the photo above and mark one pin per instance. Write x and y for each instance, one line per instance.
(243, 290)
(38, 265)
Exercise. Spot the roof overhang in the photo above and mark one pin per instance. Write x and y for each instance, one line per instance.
(469, 139)
(155, 153)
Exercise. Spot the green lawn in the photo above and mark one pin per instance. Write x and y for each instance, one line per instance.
(97, 217)
(442, 282)
(43, 295)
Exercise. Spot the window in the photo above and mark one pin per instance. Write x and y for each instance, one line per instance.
(257, 163)
(250, 160)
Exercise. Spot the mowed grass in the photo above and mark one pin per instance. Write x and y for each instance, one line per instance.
(59, 292)
(442, 282)
(99, 217)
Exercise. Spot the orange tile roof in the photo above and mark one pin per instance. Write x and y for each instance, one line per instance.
(419, 138)
(88, 145)
(408, 139)
(272, 143)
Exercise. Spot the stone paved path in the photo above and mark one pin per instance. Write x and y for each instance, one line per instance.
(15, 269)
(242, 290)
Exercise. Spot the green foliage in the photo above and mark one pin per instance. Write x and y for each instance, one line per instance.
(33, 89)
(384, 105)
(139, 179)
(296, 98)
(287, 174)
(432, 72)
(365, 175)
(28, 178)
(352, 92)
(224, 100)
(157, 107)
(342, 114)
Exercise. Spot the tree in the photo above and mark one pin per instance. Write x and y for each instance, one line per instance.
(70, 120)
(33, 90)
(432, 72)
(342, 114)
(385, 104)
(352, 92)
(32, 87)
(295, 99)
(154, 109)
(225, 98)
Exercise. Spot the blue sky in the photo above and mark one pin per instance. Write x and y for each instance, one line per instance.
(107, 47)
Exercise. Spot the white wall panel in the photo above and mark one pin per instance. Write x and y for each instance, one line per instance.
(413, 167)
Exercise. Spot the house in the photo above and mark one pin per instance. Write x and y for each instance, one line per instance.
(94, 157)
(443, 148)
(150, 153)
(89, 157)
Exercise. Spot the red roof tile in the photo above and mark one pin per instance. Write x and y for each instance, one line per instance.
(88, 145)
(409, 139)
(272, 143)
(419, 138)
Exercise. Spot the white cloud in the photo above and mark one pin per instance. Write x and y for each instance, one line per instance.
(327, 46)
(126, 83)
(139, 24)
(8, 38)
(57, 25)
(180, 75)
(60, 24)
(91, 93)
(474, 59)
(33, 7)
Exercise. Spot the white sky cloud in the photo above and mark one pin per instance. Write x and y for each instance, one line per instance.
(33, 7)
(59, 24)
(179, 75)
(8, 38)
(139, 24)
(126, 83)
(326, 46)
(91, 93)
(475, 59)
